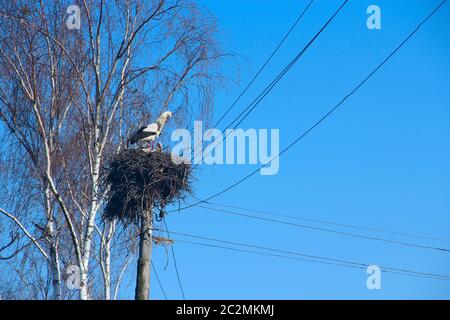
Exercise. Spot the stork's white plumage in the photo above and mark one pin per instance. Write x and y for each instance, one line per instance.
(150, 132)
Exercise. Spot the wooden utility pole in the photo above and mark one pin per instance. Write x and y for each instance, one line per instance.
(145, 253)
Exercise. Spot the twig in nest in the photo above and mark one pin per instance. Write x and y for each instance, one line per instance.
(136, 180)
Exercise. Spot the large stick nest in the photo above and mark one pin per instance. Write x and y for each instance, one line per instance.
(137, 180)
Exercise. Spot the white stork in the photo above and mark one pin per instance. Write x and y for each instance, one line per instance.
(150, 132)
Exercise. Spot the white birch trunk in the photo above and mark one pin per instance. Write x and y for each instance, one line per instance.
(56, 270)
(107, 262)
(90, 226)
(54, 253)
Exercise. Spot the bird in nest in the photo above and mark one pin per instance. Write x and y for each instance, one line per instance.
(150, 132)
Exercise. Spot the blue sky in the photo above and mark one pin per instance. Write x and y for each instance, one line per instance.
(381, 161)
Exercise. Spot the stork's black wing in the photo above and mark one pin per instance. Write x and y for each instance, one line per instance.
(140, 134)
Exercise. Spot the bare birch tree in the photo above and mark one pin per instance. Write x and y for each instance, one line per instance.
(68, 100)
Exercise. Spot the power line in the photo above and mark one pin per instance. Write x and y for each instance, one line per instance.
(274, 82)
(305, 260)
(159, 282)
(265, 63)
(362, 266)
(342, 233)
(266, 91)
(174, 261)
(282, 215)
(309, 257)
(325, 116)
